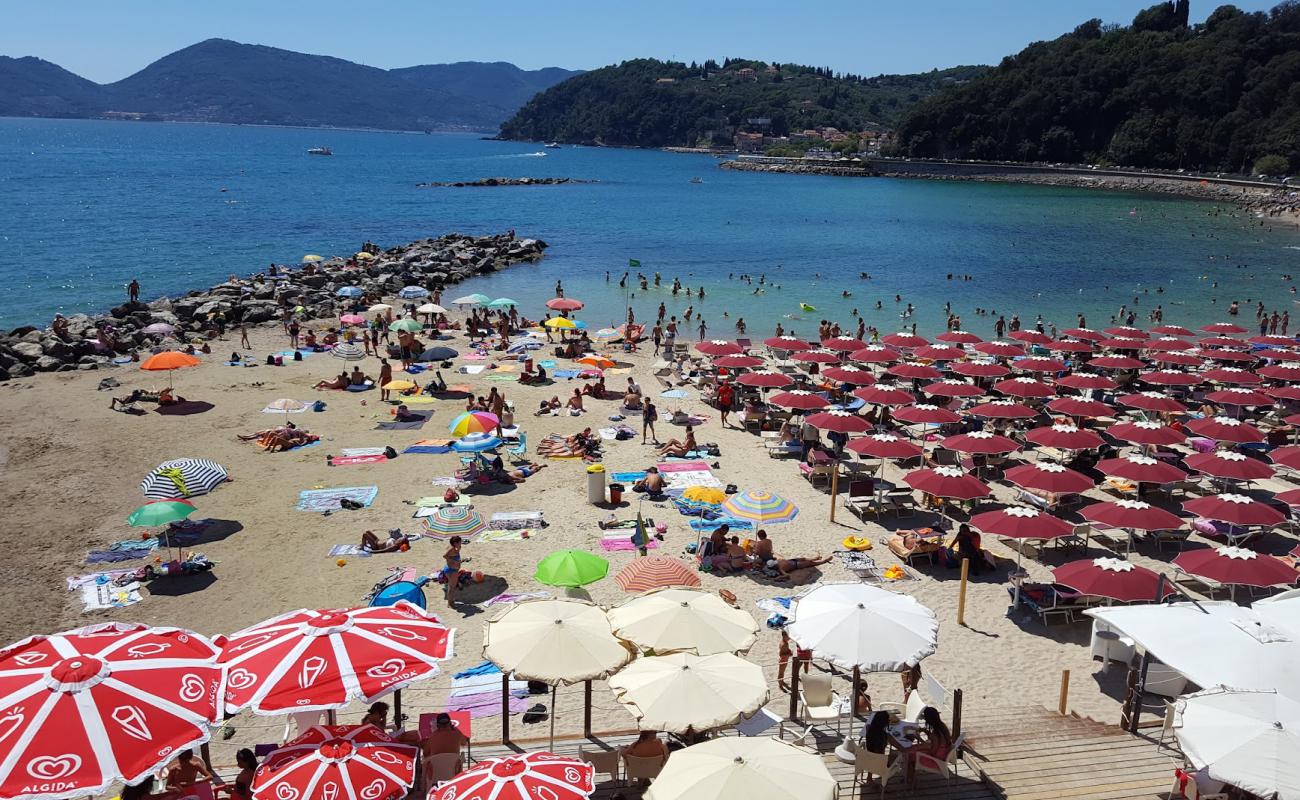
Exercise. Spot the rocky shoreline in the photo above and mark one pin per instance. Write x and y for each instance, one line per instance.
(88, 342)
(503, 182)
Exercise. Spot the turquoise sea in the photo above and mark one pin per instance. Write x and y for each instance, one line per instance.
(85, 206)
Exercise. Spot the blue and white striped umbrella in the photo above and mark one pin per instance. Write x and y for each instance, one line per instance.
(476, 443)
(181, 478)
(412, 292)
(348, 351)
(350, 291)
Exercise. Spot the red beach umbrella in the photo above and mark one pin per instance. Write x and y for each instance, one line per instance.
(1141, 469)
(788, 343)
(1292, 498)
(1235, 356)
(1002, 409)
(1000, 349)
(1223, 327)
(1123, 344)
(1086, 381)
(720, 347)
(952, 388)
(1128, 332)
(1079, 407)
(1024, 387)
(847, 373)
(1132, 515)
(347, 761)
(843, 344)
(838, 421)
(914, 371)
(564, 304)
(1064, 437)
(1293, 420)
(925, 414)
(1233, 375)
(528, 776)
(1086, 334)
(950, 482)
(1236, 566)
(765, 379)
(105, 703)
(1019, 522)
(905, 340)
(1037, 364)
(1152, 401)
(799, 399)
(881, 395)
(1115, 362)
(875, 354)
(980, 443)
(1238, 396)
(1170, 377)
(1229, 465)
(1225, 429)
(1222, 342)
(816, 357)
(1283, 393)
(317, 660)
(1273, 340)
(883, 445)
(1146, 432)
(1172, 330)
(958, 337)
(1280, 372)
(1112, 578)
(1169, 344)
(738, 362)
(1030, 337)
(1178, 359)
(1070, 346)
(940, 352)
(979, 369)
(1048, 477)
(1236, 509)
(1288, 456)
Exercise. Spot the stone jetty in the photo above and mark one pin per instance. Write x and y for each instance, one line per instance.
(503, 182)
(83, 342)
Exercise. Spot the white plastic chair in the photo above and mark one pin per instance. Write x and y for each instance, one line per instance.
(643, 768)
(818, 702)
(867, 763)
(606, 761)
(946, 767)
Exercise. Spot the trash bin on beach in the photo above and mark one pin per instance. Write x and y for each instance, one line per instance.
(615, 493)
(596, 484)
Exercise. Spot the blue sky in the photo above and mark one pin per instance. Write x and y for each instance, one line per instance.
(106, 40)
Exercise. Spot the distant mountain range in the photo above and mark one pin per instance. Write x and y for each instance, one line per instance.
(223, 81)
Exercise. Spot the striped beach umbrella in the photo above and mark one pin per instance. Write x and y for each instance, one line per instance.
(653, 572)
(762, 507)
(183, 477)
(348, 351)
(473, 422)
(412, 292)
(476, 443)
(450, 521)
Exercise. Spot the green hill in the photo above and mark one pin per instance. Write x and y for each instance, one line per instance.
(1157, 93)
(651, 103)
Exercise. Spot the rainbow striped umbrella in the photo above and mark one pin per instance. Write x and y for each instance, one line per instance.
(762, 507)
(450, 521)
(473, 422)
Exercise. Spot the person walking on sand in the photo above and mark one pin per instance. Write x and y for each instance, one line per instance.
(133, 291)
(385, 376)
(243, 336)
(648, 417)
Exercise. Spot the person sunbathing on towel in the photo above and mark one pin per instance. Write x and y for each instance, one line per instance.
(394, 543)
(518, 475)
(575, 403)
(679, 449)
(551, 406)
(575, 445)
(795, 570)
(404, 414)
(596, 390)
(339, 383)
(135, 396)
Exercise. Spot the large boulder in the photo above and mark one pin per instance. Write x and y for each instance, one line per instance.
(48, 363)
(27, 351)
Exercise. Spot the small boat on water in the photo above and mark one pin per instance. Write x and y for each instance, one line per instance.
(320, 151)
(696, 179)
(553, 145)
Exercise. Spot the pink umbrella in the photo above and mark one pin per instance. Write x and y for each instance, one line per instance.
(1086, 381)
(940, 352)
(1113, 578)
(1070, 346)
(958, 337)
(914, 371)
(1152, 401)
(1280, 372)
(883, 445)
(1002, 409)
(980, 443)
(1225, 429)
(1288, 456)
(1169, 344)
(787, 343)
(1115, 362)
(1229, 465)
(1087, 334)
(1172, 330)
(527, 776)
(1132, 515)
(1236, 566)
(904, 340)
(843, 344)
(719, 347)
(1000, 349)
(799, 399)
(952, 388)
(1223, 327)
(1170, 377)
(738, 362)
(1238, 396)
(924, 414)
(951, 482)
(838, 421)
(1141, 469)
(765, 379)
(816, 357)
(1232, 375)
(1146, 432)
(881, 395)
(1180, 359)
(1037, 364)
(1235, 509)
(564, 304)
(1024, 387)
(1127, 332)
(1045, 476)
(352, 319)
(979, 369)
(875, 354)
(848, 373)
(1079, 407)
(1030, 337)
(1064, 437)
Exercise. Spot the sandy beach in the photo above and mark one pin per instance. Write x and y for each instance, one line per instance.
(71, 472)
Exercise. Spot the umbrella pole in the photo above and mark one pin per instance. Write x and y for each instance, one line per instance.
(586, 709)
(1020, 553)
(554, 690)
(505, 706)
(853, 703)
(835, 487)
(794, 685)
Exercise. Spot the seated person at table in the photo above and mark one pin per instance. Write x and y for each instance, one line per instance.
(443, 739)
(647, 745)
(673, 447)
(549, 406)
(652, 483)
(796, 569)
(241, 789)
(187, 771)
(936, 739)
(394, 543)
(340, 382)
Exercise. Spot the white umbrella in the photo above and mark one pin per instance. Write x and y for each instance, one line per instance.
(683, 692)
(1246, 739)
(743, 768)
(856, 625)
(431, 308)
(682, 620)
(379, 308)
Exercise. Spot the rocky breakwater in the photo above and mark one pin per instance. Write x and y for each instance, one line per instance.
(799, 167)
(84, 342)
(502, 182)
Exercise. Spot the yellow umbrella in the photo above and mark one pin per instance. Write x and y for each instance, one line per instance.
(364, 256)
(559, 323)
(705, 494)
(312, 257)
(398, 386)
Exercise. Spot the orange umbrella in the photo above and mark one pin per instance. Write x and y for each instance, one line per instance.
(168, 361)
(599, 362)
(653, 572)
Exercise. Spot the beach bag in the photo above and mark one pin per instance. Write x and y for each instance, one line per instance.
(390, 453)
(297, 356)
(270, 361)
(535, 714)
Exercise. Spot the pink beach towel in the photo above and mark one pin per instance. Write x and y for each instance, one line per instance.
(624, 543)
(340, 461)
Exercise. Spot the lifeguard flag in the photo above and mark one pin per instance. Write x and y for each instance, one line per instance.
(632, 262)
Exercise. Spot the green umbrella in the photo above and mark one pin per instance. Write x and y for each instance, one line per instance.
(571, 568)
(502, 302)
(162, 512)
(408, 325)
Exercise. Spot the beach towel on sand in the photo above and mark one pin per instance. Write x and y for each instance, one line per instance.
(506, 598)
(362, 451)
(410, 425)
(97, 596)
(343, 461)
(319, 500)
(621, 541)
(430, 446)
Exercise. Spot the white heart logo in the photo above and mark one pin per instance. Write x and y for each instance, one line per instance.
(192, 688)
(284, 791)
(51, 768)
(240, 679)
(387, 669)
(374, 791)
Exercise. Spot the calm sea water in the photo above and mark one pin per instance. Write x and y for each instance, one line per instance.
(85, 206)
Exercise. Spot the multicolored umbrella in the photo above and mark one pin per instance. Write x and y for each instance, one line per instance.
(1113, 578)
(449, 521)
(476, 443)
(570, 568)
(653, 572)
(107, 703)
(530, 776)
(318, 660)
(348, 351)
(183, 477)
(350, 291)
(338, 761)
(412, 292)
(473, 422)
(1236, 566)
(764, 508)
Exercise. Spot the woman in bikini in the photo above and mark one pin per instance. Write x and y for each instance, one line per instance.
(677, 448)
(451, 572)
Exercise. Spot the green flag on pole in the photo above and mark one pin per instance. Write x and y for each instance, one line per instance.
(632, 262)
